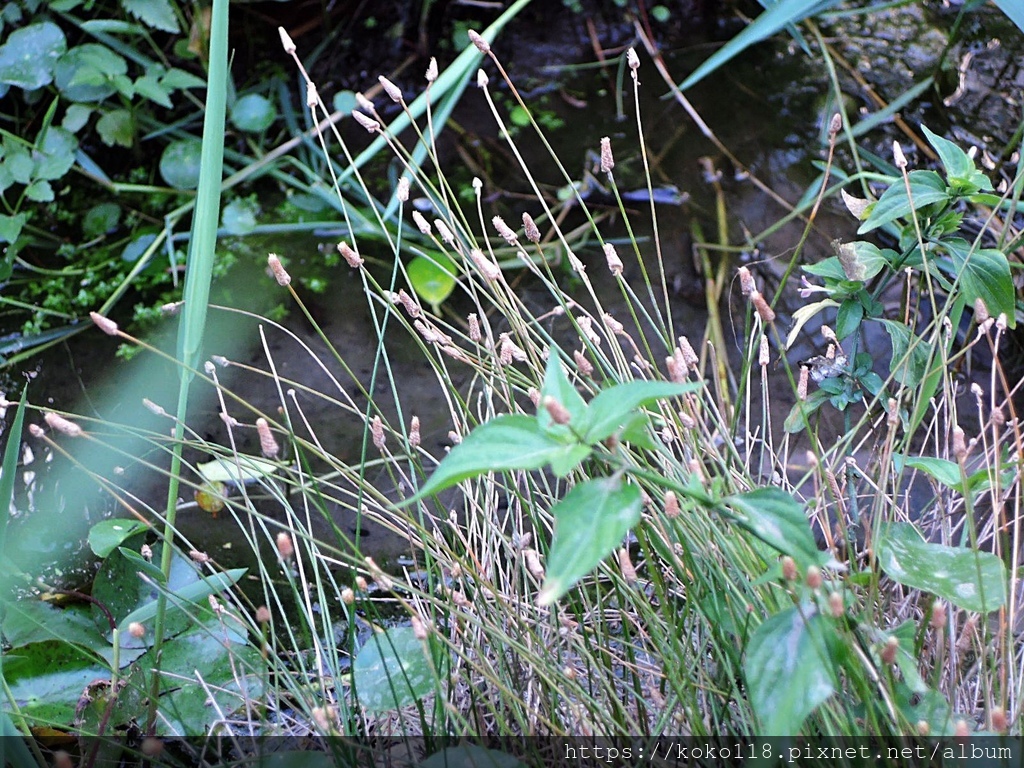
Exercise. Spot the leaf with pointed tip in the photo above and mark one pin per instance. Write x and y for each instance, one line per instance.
(590, 522)
(777, 519)
(788, 669)
(972, 580)
(612, 408)
(510, 441)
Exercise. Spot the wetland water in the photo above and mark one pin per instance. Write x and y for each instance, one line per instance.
(767, 108)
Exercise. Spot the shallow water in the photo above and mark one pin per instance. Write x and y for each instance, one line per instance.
(767, 108)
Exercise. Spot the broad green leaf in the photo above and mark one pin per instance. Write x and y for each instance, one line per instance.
(11, 226)
(776, 17)
(974, 581)
(240, 216)
(391, 670)
(56, 154)
(510, 441)
(926, 187)
(117, 127)
(177, 79)
(236, 469)
(851, 312)
(194, 594)
(612, 407)
(180, 163)
(801, 411)
(47, 679)
(590, 522)
(908, 370)
(211, 659)
(960, 169)
(432, 276)
(33, 621)
(984, 274)
(253, 113)
(88, 72)
(861, 261)
(39, 191)
(906, 658)
(158, 14)
(777, 519)
(945, 471)
(28, 57)
(108, 535)
(152, 88)
(101, 219)
(138, 247)
(557, 385)
(75, 117)
(789, 669)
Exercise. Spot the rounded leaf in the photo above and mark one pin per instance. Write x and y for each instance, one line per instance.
(253, 113)
(86, 73)
(28, 57)
(392, 670)
(432, 277)
(180, 163)
(101, 219)
(239, 217)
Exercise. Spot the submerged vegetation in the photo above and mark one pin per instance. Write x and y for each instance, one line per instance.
(618, 527)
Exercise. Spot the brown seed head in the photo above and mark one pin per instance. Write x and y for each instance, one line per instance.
(285, 546)
(939, 616)
(414, 431)
(392, 90)
(263, 614)
(268, 445)
(377, 432)
(836, 125)
(421, 223)
(105, 324)
(747, 285)
(789, 570)
(836, 604)
(889, 651)
(59, 424)
(505, 230)
(997, 720)
(482, 45)
(583, 365)
(558, 412)
(764, 311)
(626, 566)
(671, 504)
(402, 193)
(136, 630)
(813, 577)
(474, 328)
(371, 125)
(899, 159)
(614, 262)
(607, 159)
(531, 229)
(277, 270)
(152, 747)
(286, 41)
(488, 268)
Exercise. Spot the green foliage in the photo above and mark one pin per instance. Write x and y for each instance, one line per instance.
(975, 581)
(393, 669)
(789, 668)
(856, 277)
